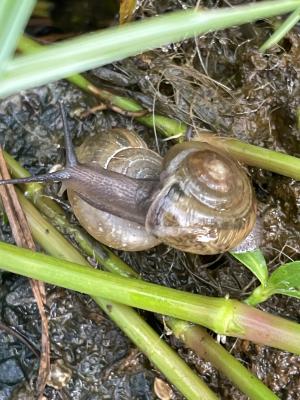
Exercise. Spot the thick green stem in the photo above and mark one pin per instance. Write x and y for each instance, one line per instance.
(224, 316)
(14, 15)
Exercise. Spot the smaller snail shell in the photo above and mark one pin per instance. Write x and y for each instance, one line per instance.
(103, 146)
(121, 151)
(206, 204)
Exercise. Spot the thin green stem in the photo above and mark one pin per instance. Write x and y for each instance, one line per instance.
(165, 125)
(280, 32)
(249, 154)
(206, 347)
(161, 355)
(99, 48)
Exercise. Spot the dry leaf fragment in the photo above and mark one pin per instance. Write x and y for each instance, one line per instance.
(162, 389)
(127, 8)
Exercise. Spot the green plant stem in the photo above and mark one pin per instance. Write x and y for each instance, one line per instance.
(99, 48)
(249, 154)
(165, 125)
(259, 295)
(133, 325)
(280, 32)
(224, 316)
(14, 15)
(175, 369)
(193, 337)
(206, 347)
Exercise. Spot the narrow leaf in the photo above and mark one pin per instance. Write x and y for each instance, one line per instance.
(255, 262)
(279, 34)
(14, 15)
(92, 50)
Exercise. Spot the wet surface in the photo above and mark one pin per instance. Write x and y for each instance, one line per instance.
(220, 82)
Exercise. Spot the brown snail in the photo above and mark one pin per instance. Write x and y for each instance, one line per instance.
(196, 199)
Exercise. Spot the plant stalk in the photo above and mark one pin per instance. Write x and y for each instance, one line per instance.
(256, 156)
(14, 15)
(224, 316)
(196, 338)
(282, 30)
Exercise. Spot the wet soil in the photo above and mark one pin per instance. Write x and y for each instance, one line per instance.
(218, 81)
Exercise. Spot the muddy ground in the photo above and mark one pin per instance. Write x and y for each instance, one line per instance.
(220, 82)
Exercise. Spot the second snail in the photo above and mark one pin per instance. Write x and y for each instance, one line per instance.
(196, 199)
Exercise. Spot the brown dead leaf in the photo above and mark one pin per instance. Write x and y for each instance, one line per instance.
(127, 8)
(162, 390)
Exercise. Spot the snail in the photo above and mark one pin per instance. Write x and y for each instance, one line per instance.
(196, 199)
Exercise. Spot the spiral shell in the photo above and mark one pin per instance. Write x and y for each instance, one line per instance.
(121, 151)
(206, 204)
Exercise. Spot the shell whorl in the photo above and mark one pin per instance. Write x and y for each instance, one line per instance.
(206, 204)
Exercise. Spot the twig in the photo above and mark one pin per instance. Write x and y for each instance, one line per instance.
(13, 332)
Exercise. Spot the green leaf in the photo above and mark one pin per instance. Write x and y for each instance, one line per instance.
(255, 262)
(284, 280)
(92, 50)
(14, 15)
(286, 26)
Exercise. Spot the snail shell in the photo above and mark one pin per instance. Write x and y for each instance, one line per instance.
(206, 204)
(121, 151)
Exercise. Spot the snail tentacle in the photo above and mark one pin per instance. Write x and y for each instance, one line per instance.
(57, 176)
(71, 159)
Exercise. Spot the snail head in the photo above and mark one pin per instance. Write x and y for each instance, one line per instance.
(105, 190)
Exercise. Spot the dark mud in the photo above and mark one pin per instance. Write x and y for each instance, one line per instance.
(220, 82)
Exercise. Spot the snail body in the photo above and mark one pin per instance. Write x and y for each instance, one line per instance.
(124, 152)
(197, 199)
